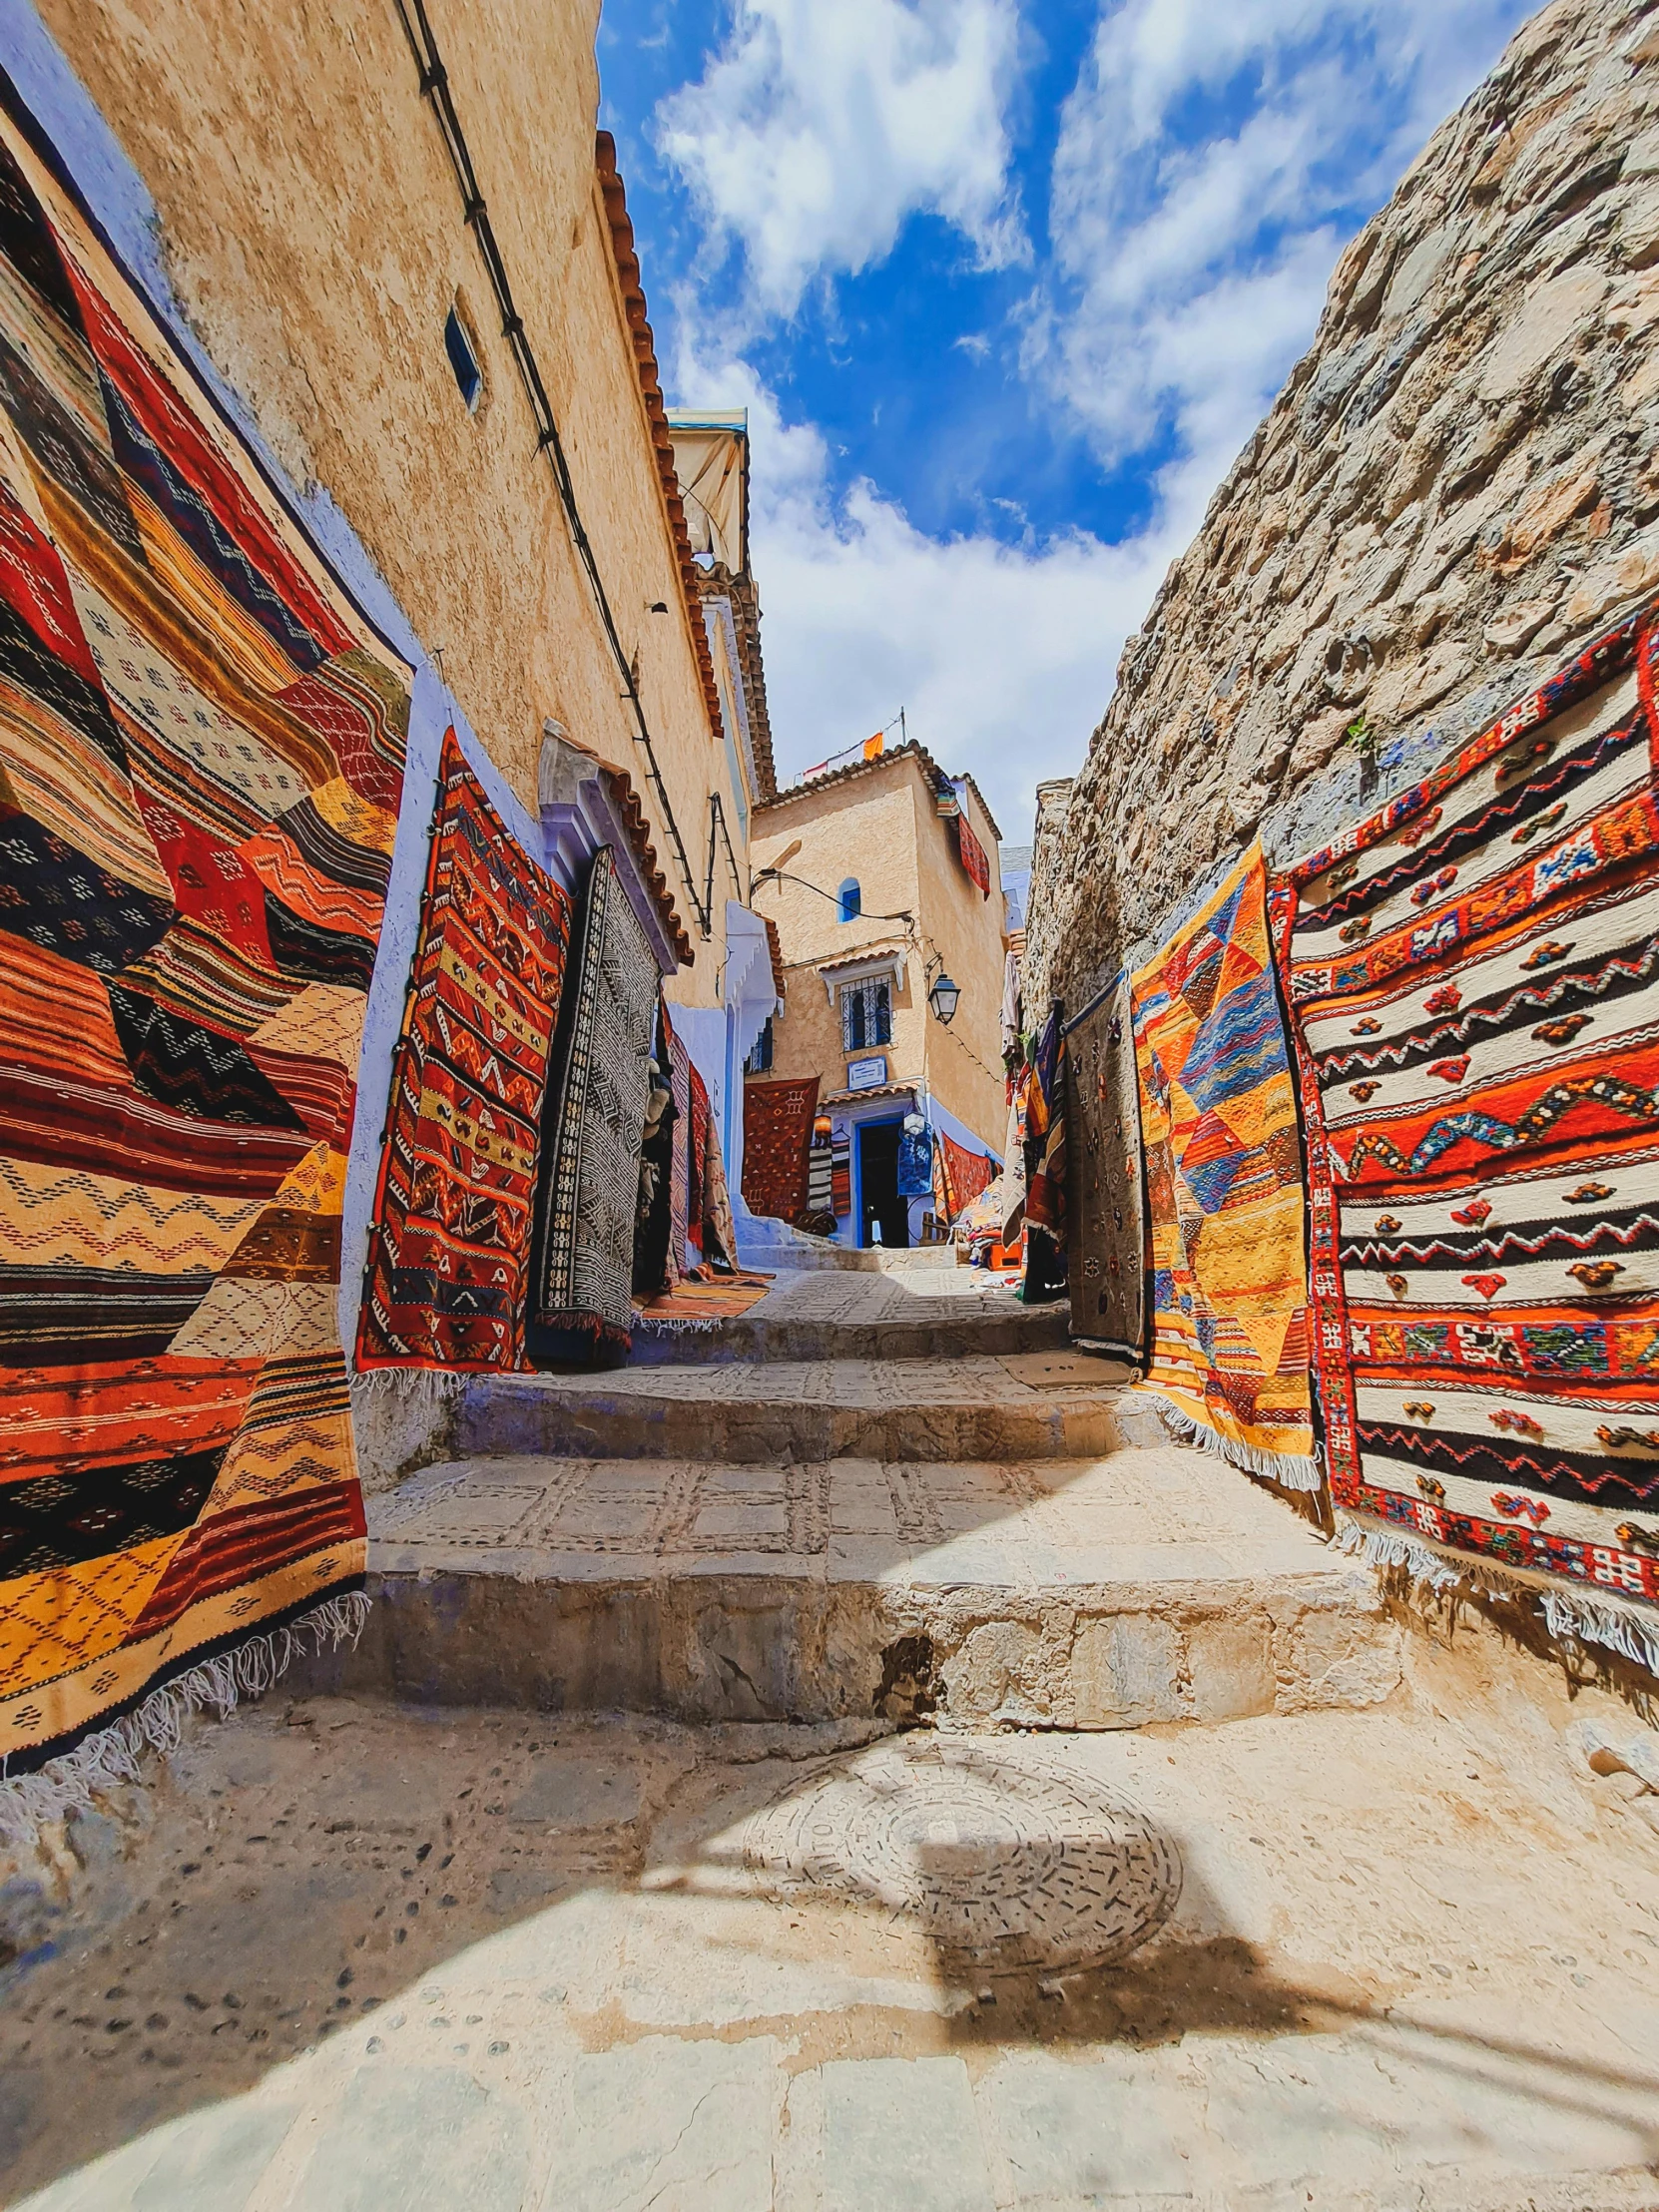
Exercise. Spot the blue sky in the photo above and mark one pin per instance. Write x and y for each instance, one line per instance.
(1004, 287)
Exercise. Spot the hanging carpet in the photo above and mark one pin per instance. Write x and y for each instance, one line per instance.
(966, 1173)
(1474, 979)
(1045, 1165)
(679, 1075)
(1224, 1183)
(1107, 1246)
(697, 1173)
(840, 1170)
(777, 1135)
(582, 1308)
(202, 748)
(447, 1284)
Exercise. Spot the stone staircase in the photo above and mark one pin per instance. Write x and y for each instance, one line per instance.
(893, 1496)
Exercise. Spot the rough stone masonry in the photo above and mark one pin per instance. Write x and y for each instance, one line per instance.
(1457, 485)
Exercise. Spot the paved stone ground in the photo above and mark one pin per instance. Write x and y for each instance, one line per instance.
(370, 1960)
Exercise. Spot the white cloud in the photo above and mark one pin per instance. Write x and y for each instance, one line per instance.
(1002, 656)
(1189, 263)
(821, 128)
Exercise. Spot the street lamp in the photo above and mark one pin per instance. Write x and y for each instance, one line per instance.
(942, 995)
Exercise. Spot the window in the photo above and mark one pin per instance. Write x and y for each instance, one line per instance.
(760, 1058)
(867, 1015)
(851, 899)
(462, 359)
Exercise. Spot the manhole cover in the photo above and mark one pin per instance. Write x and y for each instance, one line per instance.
(1006, 1865)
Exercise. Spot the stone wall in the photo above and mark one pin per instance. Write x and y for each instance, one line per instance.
(1457, 486)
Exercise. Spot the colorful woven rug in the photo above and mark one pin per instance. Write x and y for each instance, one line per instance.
(776, 1134)
(590, 1184)
(697, 1176)
(1107, 1249)
(966, 1173)
(1475, 974)
(201, 760)
(700, 1301)
(1224, 1189)
(679, 1076)
(446, 1276)
(1045, 1165)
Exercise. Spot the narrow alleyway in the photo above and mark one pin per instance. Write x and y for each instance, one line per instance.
(1203, 1884)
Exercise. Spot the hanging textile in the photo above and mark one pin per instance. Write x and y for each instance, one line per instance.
(719, 1230)
(966, 1173)
(446, 1284)
(201, 746)
(1107, 1249)
(1013, 1157)
(777, 1135)
(594, 1130)
(820, 1171)
(698, 1159)
(1474, 975)
(679, 1076)
(1225, 1188)
(1045, 1165)
(973, 856)
(915, 1158)
(652, 1222)
(840, 1170)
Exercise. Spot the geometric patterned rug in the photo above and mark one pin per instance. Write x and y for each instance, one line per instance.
(452, 1215)
(1474, 977)
(1108, 1238)
(1224, 1190)
(201, 760)
(582, 1308)
(777, 1133)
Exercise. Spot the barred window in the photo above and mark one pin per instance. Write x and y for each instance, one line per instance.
(867, 1015)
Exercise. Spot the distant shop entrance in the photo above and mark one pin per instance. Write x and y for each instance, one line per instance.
(885, 1217)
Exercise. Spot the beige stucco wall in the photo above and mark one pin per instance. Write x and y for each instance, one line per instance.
(882, 828)
(312, 230)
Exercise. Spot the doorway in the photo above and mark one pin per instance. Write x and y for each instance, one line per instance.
(879, 1204)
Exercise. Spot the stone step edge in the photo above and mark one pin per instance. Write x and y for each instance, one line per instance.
(722, 1646)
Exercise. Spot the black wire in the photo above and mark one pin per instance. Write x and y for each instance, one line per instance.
(435, 85)
(782, 875)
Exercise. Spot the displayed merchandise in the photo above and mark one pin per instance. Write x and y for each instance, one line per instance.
(1224, 1183)
(840, 1170)
(448, 1282)
(202, 752)
(915, 1158)
(776, 1134)
(966, 1173)
(1045, 1165)
(679, 1076)
(1474, 980)
(1107, 1247)
(696, 1168)
(594, 1132)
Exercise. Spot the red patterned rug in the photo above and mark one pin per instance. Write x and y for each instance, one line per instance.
(777, 1135)
(1475, 976)
(448, 1256)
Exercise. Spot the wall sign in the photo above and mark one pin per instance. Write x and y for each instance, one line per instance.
(867, 1074)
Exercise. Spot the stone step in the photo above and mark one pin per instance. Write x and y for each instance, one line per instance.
(1157, 1585)
(791, 1325)
(1030, 1406)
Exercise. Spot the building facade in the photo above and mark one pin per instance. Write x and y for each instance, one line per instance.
(882, 881)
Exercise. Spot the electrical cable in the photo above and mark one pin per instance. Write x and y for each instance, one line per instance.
(435, 85)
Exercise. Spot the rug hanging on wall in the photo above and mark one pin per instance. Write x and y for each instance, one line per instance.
(202, 750)
(1107, 1247)
(966, 1172)
(1224, 1178)
(594, 1130)
(840, 1170)
(1474, 979)
(446, 1283)
(697, 1163)
(777, 1135)
(1045, 1165)
(679, 1076)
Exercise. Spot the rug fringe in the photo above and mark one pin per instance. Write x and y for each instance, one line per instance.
(1288, 1469)
(29, 1802)
(1567, 1614)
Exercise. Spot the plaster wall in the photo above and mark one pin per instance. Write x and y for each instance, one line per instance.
(312, 232)
(1458, 487)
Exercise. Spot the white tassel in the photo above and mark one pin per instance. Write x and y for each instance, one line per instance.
(1569, 1615)
(1288, 1469)
(29, 1802)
